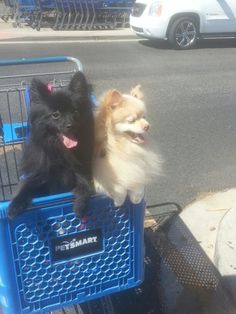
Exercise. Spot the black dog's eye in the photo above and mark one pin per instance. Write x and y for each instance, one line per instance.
(77, 113)
(56, 115)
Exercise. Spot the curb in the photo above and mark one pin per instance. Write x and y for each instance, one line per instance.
(8, 33)
(54, 38)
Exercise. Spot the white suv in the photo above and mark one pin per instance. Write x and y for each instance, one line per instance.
(182, 22)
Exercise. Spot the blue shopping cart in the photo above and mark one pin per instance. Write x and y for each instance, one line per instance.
(69, 14)
(50, 258)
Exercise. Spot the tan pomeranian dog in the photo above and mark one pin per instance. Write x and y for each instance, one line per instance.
(124, 163)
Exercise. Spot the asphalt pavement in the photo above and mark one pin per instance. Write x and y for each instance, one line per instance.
(213, 228)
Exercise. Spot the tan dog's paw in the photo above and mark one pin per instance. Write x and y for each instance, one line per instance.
(119, 200)
(136, 196)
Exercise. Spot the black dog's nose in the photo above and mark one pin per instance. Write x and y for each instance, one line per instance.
(69, 126)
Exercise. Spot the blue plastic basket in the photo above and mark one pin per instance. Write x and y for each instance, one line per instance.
(50, 258)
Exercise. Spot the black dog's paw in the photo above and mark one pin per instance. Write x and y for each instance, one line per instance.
(16, 207)
(80, 206)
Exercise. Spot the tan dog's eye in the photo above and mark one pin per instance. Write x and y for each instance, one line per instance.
(130, 120)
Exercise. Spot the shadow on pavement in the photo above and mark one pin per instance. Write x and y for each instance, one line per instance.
(203, 290)
(202, 44)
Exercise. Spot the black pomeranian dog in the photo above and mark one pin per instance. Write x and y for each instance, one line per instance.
(58, 156)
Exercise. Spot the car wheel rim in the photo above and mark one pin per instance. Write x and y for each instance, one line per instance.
(185, 34)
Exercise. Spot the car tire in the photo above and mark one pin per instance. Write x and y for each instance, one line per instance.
(183, 33)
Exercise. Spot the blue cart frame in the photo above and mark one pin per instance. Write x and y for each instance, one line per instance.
(33, 278)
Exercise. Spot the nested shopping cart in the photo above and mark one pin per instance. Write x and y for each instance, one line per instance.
(69, 14)
(50, 258)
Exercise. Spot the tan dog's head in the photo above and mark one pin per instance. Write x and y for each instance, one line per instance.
(123, 115)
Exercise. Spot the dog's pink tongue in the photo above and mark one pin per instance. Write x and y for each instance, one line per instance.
(68, 142)
(138, 139)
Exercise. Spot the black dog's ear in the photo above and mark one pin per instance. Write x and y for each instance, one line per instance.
(79, 85)
(38, 91)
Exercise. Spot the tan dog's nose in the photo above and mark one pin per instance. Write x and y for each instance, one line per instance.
(146, 126)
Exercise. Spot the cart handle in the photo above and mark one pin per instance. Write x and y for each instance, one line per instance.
(21, 61)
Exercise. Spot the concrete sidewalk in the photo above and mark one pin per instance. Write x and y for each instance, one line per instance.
(9, 33)
(212, 220)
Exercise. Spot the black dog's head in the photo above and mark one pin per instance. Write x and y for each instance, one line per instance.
(61, 115)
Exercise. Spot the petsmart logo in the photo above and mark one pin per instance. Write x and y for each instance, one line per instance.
(65, 246)
(76, 245)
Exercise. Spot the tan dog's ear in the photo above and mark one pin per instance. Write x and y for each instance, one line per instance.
(110, 100)
(113, 98)
(136, 92)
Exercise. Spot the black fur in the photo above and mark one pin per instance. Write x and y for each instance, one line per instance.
(48, 166)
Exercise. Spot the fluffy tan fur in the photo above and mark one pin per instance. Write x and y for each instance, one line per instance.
(124, 163)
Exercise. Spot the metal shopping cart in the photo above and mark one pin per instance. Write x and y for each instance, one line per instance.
(68, 14)
(46, 263)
